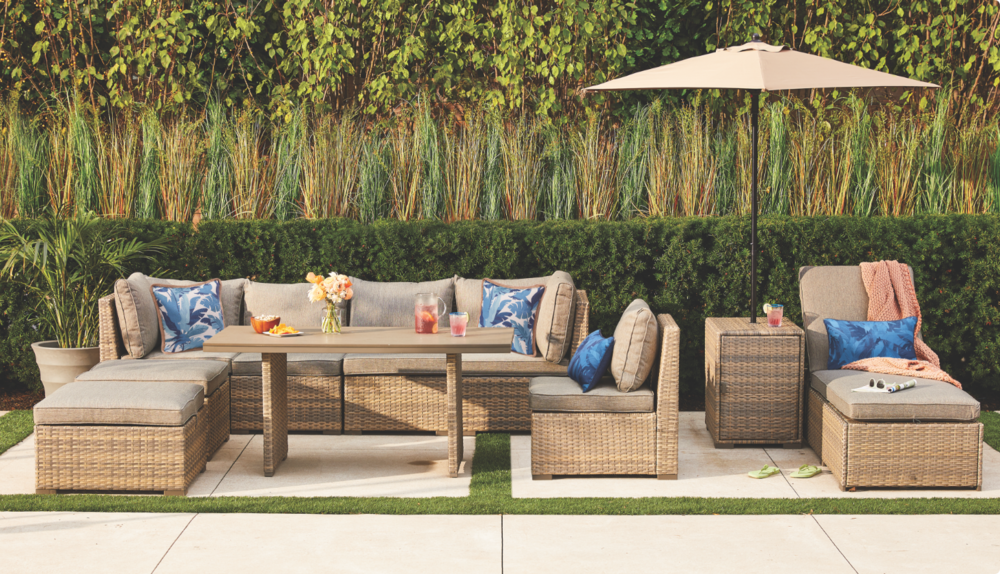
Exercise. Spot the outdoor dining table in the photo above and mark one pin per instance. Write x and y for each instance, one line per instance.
(274, 356)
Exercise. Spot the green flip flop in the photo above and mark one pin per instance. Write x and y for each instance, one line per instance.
(807, 471)
(764, 472)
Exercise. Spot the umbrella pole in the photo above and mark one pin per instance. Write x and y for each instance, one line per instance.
(754, 113)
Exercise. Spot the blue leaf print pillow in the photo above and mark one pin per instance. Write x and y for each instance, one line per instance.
(591, 360)
(189, 316)
(512, 307)
(855, 340)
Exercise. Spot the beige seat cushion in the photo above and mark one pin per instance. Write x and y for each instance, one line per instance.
(635, 346)
(830, 292)
(563, 394)
(191, 355)
(299, 364)
(120, 403)
(138, 316)
(290, 301)
(928, 401)
(378, 304)
(556, 310)
(431, 364)
(209, 374)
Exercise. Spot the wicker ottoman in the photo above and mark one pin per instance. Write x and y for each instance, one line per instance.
(754, 387)
(120, 436)
(211, 375)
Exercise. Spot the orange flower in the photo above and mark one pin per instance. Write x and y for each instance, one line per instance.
(313, 278)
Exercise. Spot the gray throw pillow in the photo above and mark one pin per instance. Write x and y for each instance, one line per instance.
(390, 304)
(290, 301)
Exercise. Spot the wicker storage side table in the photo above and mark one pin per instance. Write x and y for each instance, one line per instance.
(754, 383)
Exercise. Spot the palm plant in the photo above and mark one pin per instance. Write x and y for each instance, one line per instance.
(66, 265)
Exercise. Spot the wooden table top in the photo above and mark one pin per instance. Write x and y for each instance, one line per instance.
(243, 339)
(743, 327)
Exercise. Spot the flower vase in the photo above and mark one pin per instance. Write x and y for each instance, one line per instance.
(331, 319)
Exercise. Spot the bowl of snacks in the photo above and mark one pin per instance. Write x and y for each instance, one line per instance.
(264, 323)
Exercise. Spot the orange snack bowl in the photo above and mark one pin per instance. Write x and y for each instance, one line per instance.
(264, 326)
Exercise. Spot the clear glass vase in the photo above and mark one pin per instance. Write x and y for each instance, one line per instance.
(331, 319)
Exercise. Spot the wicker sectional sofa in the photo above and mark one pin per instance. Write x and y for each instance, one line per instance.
(336, 392)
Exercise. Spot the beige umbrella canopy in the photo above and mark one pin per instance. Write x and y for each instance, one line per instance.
(758, 67)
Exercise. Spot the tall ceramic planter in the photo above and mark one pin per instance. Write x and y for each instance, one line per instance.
(60, 366)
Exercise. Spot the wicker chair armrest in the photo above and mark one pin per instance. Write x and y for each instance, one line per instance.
(668, 397)
(110, 334)
(581, 320)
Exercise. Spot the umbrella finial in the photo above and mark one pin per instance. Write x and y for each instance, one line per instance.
(755, 38)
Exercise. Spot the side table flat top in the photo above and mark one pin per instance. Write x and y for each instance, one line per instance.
(743, 327)
(243, 339)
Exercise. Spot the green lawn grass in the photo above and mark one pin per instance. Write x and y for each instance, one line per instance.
(490, 493)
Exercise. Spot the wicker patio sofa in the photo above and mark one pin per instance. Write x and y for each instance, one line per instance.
(331, 392)
(606, 431)
(925, 437)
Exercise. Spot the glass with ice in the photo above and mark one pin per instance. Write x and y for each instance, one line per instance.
(774, 314)
(458, 321)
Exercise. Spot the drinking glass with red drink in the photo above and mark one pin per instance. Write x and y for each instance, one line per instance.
(426, 310)
(774, 315)
(458, 322)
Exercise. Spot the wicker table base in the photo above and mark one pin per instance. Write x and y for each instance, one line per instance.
(754, 391)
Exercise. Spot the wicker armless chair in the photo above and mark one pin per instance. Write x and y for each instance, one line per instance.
(637, 436)
(924, 437)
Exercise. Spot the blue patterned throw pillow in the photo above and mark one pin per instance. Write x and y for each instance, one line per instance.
(591, 360)
(512, 307)
(855, 340)
(189, 316)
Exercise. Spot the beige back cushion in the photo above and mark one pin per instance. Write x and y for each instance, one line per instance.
(830, 292)
(390, 304)
(556, 311)
(137, 315)
(290, 301)
(635, 346)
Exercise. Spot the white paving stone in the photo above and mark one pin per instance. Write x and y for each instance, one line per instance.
(705, 471)
(702, 544)
(348, 465)
(81, 543)
(932, 544)
(269, 543)
(17, 468)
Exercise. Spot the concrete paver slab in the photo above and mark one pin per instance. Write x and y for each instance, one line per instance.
(17, 468)
(932, 544)
(123, 543)
(378, 465)
(268, 543)
(702, 544)
(217, 468)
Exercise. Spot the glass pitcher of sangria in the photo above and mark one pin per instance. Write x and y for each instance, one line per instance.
(426, 311)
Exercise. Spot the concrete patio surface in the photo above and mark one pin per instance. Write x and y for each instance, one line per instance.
(416, 466)
(134, 543)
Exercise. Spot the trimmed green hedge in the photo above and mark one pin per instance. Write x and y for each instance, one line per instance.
(692, 268)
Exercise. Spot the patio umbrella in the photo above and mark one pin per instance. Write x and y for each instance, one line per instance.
(757, 67)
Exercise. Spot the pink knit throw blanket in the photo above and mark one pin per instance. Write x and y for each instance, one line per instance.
(891, 297)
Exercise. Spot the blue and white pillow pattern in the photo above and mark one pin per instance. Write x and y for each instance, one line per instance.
(591, 360)
(511, 307)
(189, 316)
(855, 340)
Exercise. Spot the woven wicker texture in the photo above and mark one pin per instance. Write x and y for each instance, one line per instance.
(899, 455)
(109, 332)
(274, 370)
(616, 443)
(218, 412)
(754, 385)
(593, 443)
(122, 458)
(455, 432)
(313, 403)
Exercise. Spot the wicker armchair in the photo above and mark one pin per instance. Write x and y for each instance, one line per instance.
(611, 443)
